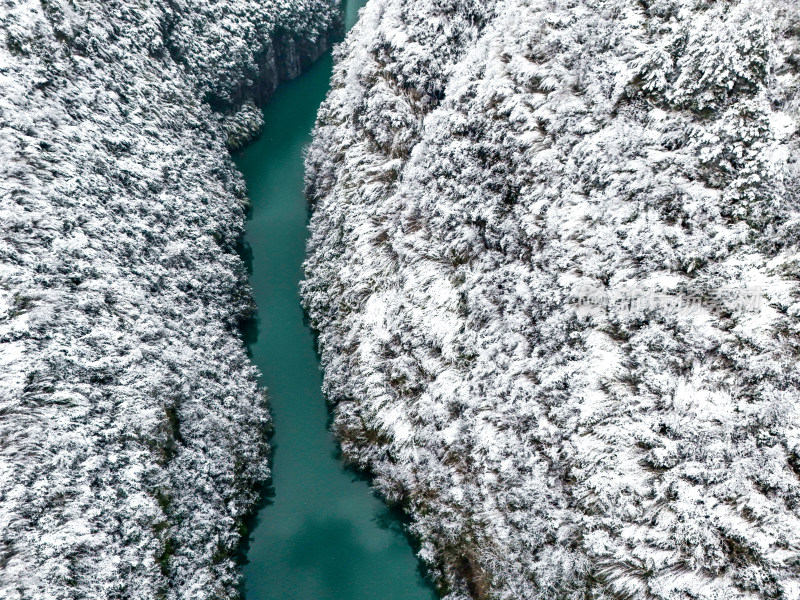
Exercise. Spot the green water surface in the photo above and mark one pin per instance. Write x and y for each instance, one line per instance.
(323, 535)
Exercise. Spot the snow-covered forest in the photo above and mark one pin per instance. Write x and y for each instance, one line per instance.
(132, 431)
(554, 268)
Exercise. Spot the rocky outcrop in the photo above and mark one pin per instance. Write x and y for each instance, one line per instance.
(554, 271)
(132, 430)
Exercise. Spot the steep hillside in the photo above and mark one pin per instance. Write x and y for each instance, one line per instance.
(554, 269)
(131, 426)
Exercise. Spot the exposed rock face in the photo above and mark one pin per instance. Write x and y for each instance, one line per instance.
(554, 269)
(132, 431)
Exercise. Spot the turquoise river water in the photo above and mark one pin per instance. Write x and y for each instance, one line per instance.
(322, 535)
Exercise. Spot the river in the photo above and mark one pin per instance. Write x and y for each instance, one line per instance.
(322, 535)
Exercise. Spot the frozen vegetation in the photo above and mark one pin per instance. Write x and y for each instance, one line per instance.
(555, 272)
(132, 431)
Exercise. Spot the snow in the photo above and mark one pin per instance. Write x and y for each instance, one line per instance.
(132, 429)
(643, 150)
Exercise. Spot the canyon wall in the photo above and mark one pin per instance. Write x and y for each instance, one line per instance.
(554, 270)
(132, 429)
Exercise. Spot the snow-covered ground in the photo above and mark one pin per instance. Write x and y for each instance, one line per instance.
(554, 266)
(131, 427)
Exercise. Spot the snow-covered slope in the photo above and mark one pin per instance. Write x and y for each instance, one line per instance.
(554, 266)
(131, 427)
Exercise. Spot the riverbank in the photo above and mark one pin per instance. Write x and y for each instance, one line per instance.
(554, 269)
(133, 427)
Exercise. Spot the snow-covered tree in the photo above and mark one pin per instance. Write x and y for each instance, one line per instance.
(554, 270)
(132, 430)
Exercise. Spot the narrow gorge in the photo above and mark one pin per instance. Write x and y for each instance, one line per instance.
(546, 252)
(321, 535)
